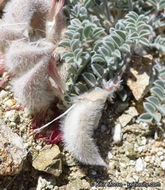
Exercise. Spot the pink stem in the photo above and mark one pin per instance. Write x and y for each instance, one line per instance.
(2, 68)
(15, 108)
(52, 70)
(56, 139)
(2, 63)
(53, 8)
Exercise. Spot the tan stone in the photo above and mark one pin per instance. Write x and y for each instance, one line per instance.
(140, 76)
(48, 160)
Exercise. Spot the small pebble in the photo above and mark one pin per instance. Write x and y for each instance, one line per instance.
(162, 157)
(152, 160)
(111, 165)
(159, 153)
(144, 141)
(163, 165)
(123, 165)
(132, 162)
(10, 102)
(38, 147)
(147, 158)
(136, 177)
(3, 94)
(11, 115)
(12, 124)
(110, 155)
(130, 179)
(139, 165)
(117, 134)
(140, 149)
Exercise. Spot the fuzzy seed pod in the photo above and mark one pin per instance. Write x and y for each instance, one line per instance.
(7, 33)
(78, 126)
(22, 56)
(23, 13)
(20, 16)
(32, 88)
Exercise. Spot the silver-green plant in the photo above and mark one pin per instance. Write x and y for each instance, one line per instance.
(96, 54)
(155, 104)
(102, 33)
(159, 43)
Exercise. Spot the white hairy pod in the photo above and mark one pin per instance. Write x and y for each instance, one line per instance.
(19, 17)
(22, 56)
(7, 33)
(32, 88)
(78, 126)
(23, 13)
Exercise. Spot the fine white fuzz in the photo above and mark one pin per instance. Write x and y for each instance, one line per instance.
(32, 88)
(7, 33)
(78, 126)
(20, 16)
(22, 11)
(24, 18)
(21, 56)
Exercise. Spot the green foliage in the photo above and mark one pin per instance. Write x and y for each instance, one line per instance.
(157, 4)
(159, 43)
(95, 53)
(102, 33)
(155, 105)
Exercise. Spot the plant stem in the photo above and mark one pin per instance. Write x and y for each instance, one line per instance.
(107, 10)
(130, 5)
(102, 19)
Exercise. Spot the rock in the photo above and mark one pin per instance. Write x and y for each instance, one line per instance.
(117, 135)
(127, 116)
(110, 156)
(140, 76)
(11, 102)
(137, 129)
(43, 184)
(139, 165)
(130, 150)
(12, 116)
(48, 160)
(12, 151)
(163, 165)
(3, 94)
(143, 141)
(77, 173)
(140, 149)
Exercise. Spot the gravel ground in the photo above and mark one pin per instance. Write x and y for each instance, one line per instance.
(135, 154)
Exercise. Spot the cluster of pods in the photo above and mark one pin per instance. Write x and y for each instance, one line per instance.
(29, 35)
